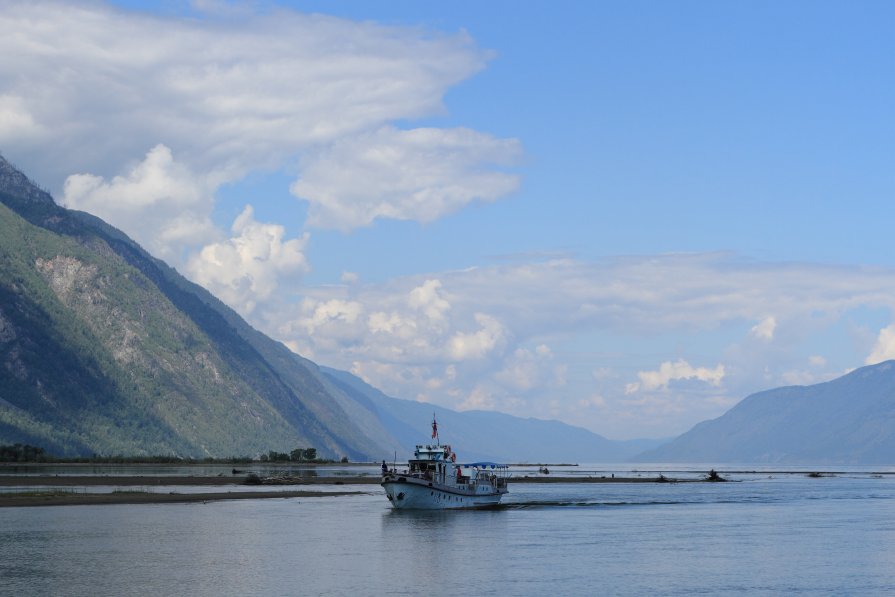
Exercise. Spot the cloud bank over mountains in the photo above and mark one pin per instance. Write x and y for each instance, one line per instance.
(458, 340)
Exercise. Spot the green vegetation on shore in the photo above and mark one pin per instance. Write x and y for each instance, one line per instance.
(296, 455)
(24, 453)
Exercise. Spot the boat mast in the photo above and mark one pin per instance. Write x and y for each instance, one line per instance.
(435, 431)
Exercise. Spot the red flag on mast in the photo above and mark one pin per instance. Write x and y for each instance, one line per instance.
(434, 427)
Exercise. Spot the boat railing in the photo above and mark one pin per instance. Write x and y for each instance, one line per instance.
(483, 479)
(408, 474)
(496, 478)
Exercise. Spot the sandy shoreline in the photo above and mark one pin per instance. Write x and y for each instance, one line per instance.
(88, 499)
(177, 480)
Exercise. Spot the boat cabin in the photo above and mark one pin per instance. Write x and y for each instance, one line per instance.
(438, 463)
(434, 452)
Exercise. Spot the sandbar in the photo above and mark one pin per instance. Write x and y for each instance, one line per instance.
(65, 498)
(150, 480)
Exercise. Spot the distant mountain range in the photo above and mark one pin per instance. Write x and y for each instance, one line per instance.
(487, 435)
(106, 350)
(849, 420)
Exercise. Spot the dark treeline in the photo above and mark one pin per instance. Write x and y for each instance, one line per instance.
(23, 453)
(296, 455)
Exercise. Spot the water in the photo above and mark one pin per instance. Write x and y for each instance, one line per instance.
(780, 535)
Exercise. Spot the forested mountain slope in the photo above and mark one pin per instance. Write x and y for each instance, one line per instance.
(106, 349)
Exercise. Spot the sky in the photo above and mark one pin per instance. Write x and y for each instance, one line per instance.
(624, 216)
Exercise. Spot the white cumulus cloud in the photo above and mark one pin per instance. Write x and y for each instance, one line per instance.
(420, 174)
(478, 399)
(525, 369)
(321, 314)
(248, 267)
(764, 330)
(426, 298)
(16, 121)
(671, 371)
(234, 91)
(349, 277)
(159, 202)
(817, 361)
(477, 344)
(231, 92)
(884, 349)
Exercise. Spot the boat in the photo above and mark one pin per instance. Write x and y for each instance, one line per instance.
(434, 480)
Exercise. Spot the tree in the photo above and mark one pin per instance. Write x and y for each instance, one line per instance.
(22, 453)
(296, 454)
(310, 454)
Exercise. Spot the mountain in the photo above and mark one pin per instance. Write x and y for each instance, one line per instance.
(849, 420)
(485, 435)
(106, 349)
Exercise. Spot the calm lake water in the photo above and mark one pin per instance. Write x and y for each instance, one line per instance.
(768, 533)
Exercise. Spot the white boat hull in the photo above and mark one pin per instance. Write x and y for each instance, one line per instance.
(414, 494)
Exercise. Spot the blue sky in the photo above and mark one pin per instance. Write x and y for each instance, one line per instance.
(626, 216)
(673, 127)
